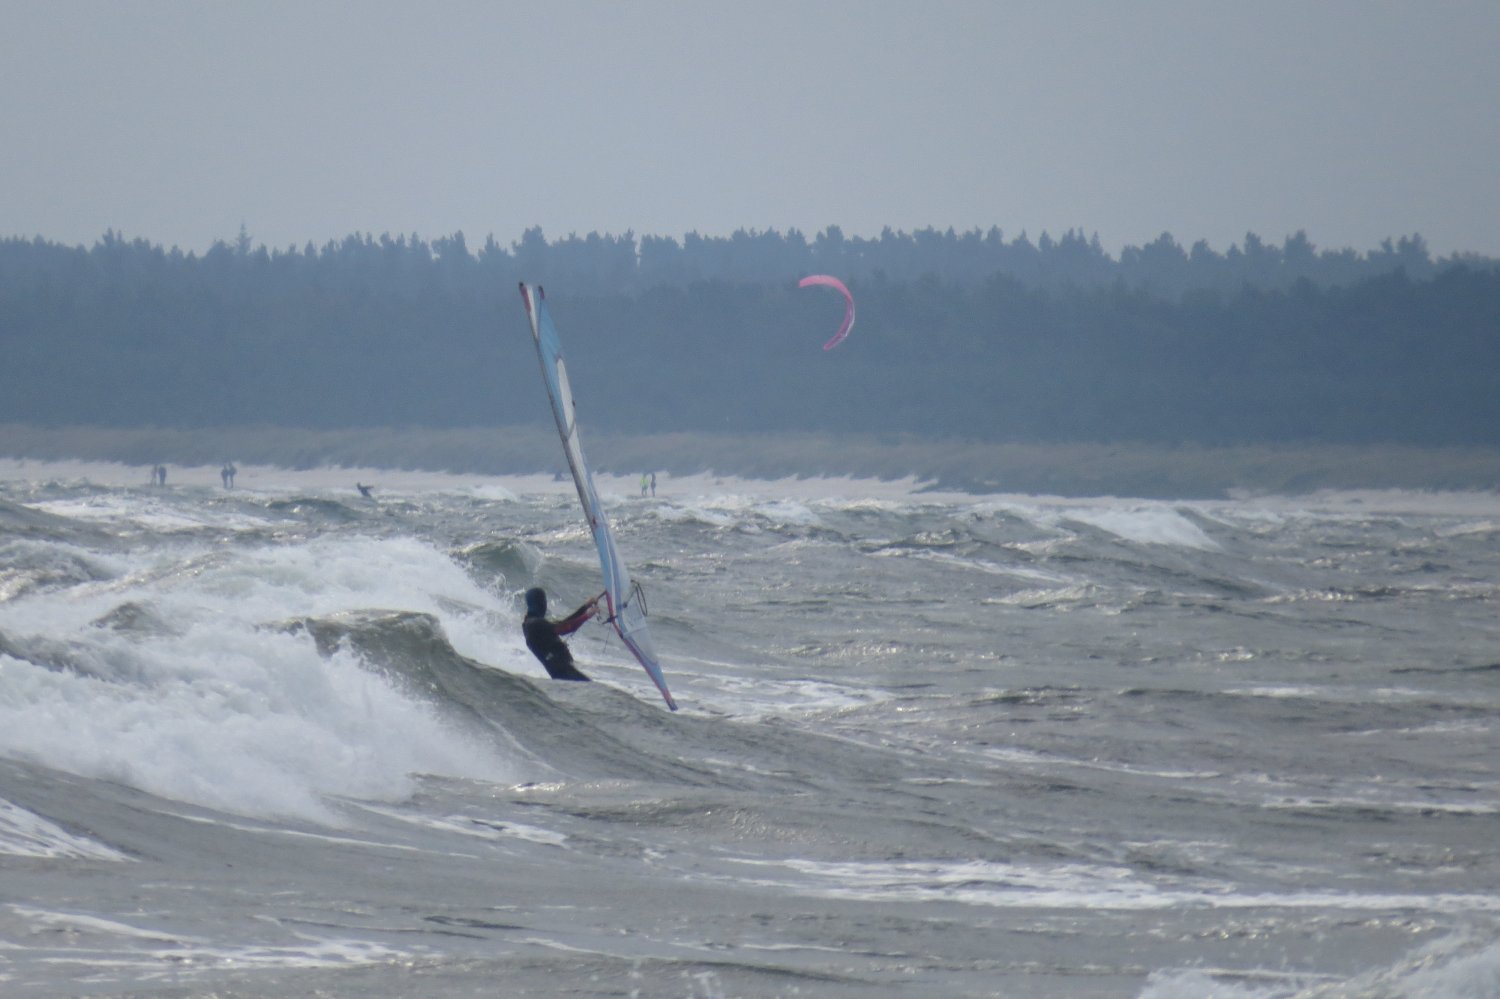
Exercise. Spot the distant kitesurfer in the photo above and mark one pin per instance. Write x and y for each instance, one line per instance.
(544, 637)
(364, 490)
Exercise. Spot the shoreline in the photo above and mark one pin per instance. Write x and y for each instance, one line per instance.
(881, 464)
(398, 484)
(401, 483)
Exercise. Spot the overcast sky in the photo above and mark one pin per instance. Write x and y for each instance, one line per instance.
(309, 120)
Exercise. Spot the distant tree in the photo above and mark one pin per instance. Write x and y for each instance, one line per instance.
(959, 333)
(531, 254)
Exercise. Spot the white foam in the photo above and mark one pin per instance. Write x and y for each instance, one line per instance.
(1196, 983)
(1074, 887)
(613, 489)
(225, 712)
(1458, 967)
(1060, 596)
(148, 511)
(1369, 804)
(84, 923)
(117, 945)
(485, 828)
(264, 730)
(760, 697)
(1469, 503)
(25, 834)
(1157, 525)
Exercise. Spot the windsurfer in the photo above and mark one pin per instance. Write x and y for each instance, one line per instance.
(544, 637)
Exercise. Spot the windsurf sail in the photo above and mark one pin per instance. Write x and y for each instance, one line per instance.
(838, 286)
(627, 603)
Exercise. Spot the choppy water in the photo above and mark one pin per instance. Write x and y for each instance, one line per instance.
(288, 742)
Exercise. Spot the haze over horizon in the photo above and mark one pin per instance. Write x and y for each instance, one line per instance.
(303, 122)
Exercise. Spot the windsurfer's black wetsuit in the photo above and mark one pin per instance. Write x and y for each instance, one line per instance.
(544, 637)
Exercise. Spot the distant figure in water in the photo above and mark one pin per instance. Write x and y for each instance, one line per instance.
(365, 490)
(653, 484)
(159, 475)
(644, 482)
(544, 637)
(226, 474)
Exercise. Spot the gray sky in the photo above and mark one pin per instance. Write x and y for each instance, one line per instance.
(310, 120)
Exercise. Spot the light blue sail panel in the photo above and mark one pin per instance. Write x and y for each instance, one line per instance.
(627, 608)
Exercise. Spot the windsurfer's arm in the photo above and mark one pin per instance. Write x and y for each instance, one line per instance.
(576, 620)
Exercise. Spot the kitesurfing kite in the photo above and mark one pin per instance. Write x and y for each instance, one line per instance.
(837, 285)
(627, 604)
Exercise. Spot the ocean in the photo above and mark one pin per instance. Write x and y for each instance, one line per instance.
(286, 741)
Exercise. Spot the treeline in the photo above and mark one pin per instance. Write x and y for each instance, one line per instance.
(714, 335)
(608, 264)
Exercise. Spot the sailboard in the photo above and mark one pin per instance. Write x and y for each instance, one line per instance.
(627, 603)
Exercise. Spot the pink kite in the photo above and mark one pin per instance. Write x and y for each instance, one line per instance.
(834, 283)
